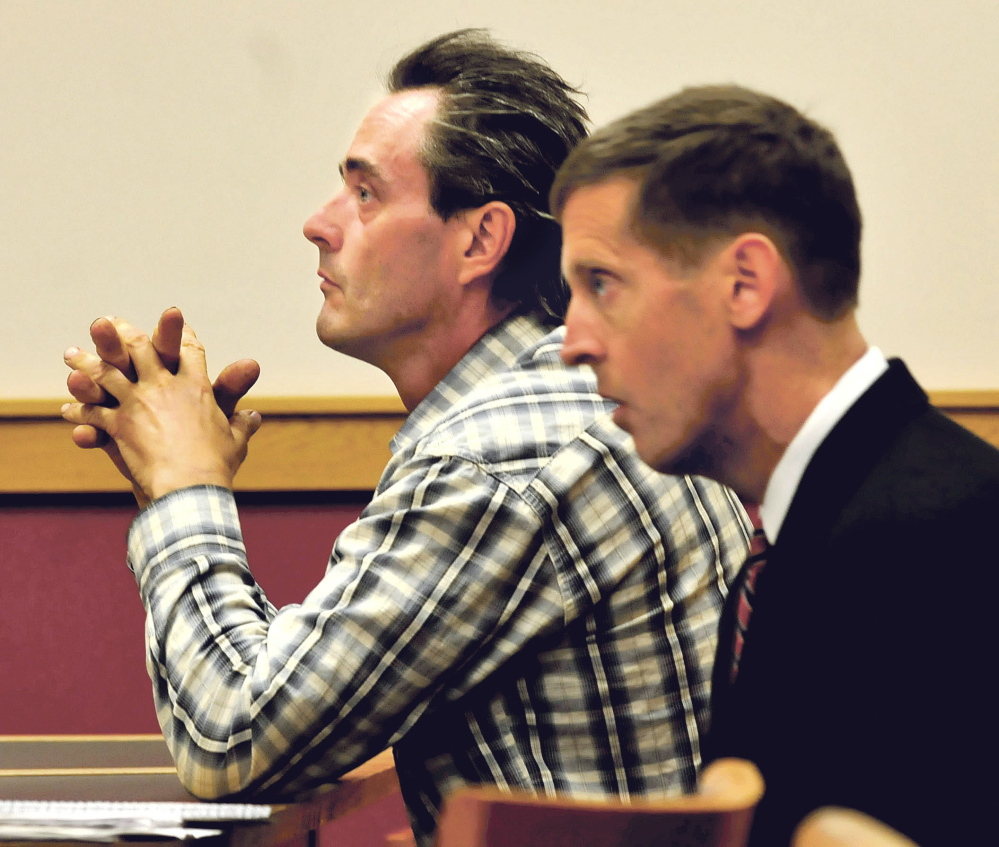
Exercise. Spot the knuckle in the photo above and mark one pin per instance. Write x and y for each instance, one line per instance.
(133, 340)
(192, 343)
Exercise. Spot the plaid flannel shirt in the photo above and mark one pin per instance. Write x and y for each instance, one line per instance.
(523, 603)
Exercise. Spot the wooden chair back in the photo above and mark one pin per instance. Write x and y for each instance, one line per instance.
(718, 815)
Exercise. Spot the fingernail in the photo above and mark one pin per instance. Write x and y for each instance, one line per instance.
(65, 408)
(70, 352)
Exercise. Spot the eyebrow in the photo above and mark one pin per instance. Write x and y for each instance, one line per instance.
(360, 166)
(583, 266)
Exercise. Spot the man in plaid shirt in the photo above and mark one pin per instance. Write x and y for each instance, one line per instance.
(523, 603)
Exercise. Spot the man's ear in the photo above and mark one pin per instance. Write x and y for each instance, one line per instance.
(490, 229)
(756, 267)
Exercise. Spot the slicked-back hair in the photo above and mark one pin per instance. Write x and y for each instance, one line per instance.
(717, 161)
(505, 124)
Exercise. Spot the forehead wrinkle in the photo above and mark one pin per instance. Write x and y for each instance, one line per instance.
(592, 251)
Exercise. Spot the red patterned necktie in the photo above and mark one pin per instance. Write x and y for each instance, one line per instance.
(757, 558)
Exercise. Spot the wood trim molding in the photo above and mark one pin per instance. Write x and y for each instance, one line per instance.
(975, 410)
(306, 444)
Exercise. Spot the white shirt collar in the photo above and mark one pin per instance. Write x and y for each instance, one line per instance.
(826, 414)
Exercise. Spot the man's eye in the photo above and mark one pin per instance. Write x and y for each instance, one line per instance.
(363, 194)
(598, 284)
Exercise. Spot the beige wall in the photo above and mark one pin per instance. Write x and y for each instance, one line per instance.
(166, 153)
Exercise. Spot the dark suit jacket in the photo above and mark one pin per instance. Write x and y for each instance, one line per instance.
(866, 679)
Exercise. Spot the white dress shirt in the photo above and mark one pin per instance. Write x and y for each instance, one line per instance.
(826, 414)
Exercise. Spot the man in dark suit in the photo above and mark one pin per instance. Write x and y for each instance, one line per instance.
(712, 245)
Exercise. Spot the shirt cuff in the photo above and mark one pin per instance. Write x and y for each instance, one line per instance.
(180, 522)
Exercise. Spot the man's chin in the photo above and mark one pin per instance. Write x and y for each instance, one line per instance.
(689, 460)
(665, 458)
(330, 332)
(649, 452)
(348, 343)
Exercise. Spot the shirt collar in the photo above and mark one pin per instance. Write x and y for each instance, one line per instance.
(785, 478)
(495, 351)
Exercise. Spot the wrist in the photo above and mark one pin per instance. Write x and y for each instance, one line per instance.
(174, 480)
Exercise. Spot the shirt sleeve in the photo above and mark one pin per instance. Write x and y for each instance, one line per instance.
(442, 578)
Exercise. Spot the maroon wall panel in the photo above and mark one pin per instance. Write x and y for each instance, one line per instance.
(71, 624)
(71, 654)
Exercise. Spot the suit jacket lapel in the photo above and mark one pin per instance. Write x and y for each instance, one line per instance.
(833, 475)
(849, 452)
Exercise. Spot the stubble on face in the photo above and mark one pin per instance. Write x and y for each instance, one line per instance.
(384, 280)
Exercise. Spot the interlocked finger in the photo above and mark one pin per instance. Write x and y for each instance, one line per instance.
(192, 352)
(110, 347)
(85, 390)
(143, 360)
(86, 414)
(167, 338)
(100, 373)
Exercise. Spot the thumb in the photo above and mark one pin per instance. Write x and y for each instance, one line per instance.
(88, 437)
(244, 423)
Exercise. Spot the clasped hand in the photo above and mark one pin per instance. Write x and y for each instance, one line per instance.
(150, 405)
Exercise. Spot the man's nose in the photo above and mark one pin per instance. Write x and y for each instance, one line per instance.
(581, 346)
(322, 230)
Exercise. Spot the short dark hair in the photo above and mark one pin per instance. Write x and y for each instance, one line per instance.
(717, 161)
(506, 123)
